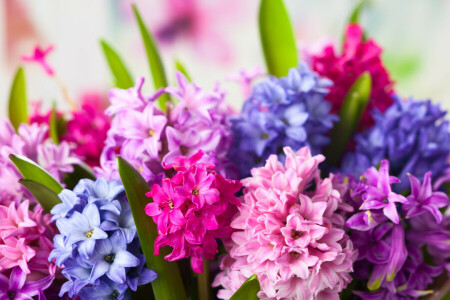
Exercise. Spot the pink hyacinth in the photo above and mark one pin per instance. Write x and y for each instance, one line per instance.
(357, 57)
(30, 141)
(25, 240)
(192, 209)
(287, 233)
(39, 56)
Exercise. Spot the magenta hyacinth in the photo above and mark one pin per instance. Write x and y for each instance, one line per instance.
(289, 232)
(343, 69)
(39, 56)
(192, 209)
(86, 128)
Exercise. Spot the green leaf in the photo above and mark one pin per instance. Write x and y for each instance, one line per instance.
(79, 172)
(53, 124)
(30, 170)
(356, 12)
(180, 67)
(248, 289)
(122, 78)
(355, 17)
(18, 110)
(349, 117)
(168, 285)
(154, 59)
(45, 196)
(277, 38)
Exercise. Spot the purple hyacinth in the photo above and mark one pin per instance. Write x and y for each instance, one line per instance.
(411, 134)
(147, 137)
(402, 241)
(98, 244)
(17, 288)
(289, 111)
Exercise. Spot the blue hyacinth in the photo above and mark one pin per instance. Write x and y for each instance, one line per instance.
(411, 134)
(98, 243)
(289, 111)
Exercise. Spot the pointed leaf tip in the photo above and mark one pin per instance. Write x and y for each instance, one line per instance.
(248, 290)
(277, 38)
(53, 124)
(122, 77)
(154, 59)
(180, 67)
(356, 12)
(17, 106)
(30, 170)
(350, 115)
(45, 196)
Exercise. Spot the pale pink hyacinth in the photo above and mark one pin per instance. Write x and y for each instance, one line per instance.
(25, 239)
(30, 141)
(289, 232)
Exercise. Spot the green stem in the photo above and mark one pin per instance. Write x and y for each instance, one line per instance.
(204, 286)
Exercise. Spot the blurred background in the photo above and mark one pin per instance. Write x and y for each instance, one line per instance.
(212, 38)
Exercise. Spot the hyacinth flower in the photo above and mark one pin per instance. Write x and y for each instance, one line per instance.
(98, 244)
(393, 240)
(192, 209)
(147, 137)
(288, 111)
(358, 56)
(412, 134)
(25, 244)
(30, 141)
(85, 129)
(289, 232)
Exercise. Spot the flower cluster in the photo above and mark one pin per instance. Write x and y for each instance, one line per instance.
(98, 243)
(30, 141)
(393, 232)
(147, 137)
(358, 56)
(25, 244)
(289, 232)
(86, 128)
(192, 209)
(289, 111)
(411, 134)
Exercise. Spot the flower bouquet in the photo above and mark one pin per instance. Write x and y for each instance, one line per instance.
(326, 185)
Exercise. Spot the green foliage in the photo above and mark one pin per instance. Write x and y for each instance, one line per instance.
(277, 38)
(168, 285)
(122, 78)
(248, 290)
(18, 109)
(154, 59)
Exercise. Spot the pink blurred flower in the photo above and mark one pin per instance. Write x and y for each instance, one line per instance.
(39, 56)
(245, 78)
(197, 22)
(357, 57)
(192, 209)
(285, 233)
(87, 129)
